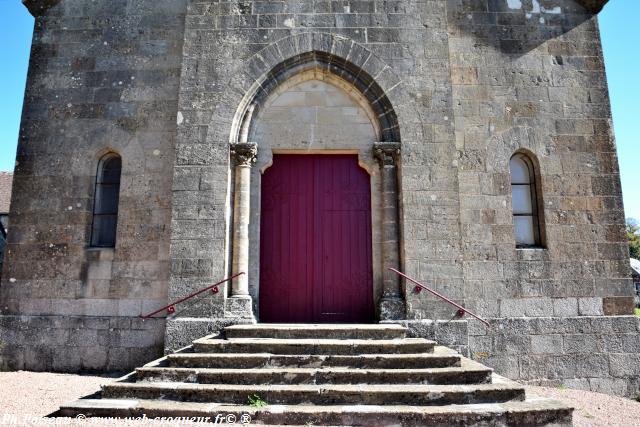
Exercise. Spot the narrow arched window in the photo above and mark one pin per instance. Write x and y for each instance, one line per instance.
(105, 205)
(524, 200)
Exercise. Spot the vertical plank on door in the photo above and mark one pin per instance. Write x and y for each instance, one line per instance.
(315, 250)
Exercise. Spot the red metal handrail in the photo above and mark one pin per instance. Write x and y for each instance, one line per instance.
(461, 309)
(171, 308)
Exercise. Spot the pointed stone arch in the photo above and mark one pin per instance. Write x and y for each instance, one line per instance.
(345, 58)
(333, 66)
(372, 81)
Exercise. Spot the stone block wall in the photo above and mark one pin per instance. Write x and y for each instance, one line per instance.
(597, 353)
(78, 343)
(3, 244)
(401, 44)
(162, 81)
(103, 77)
(530, 76)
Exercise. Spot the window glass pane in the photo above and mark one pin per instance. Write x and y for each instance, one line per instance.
(519, 171)
(104, 230)
(111, 171)
(524, 230)
(107, 201)
(105, 208)
(521, 199)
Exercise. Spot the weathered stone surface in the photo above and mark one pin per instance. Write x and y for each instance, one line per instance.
(468, 373)
(440, 358)
(411, 391)
(180, 331)
(78, 343)
(453, 334)
(327, 331)
(313, 346)
(536, 413)
(455, 88)
(618, 306)
(591, 353)
(423, 395)
(103, 77)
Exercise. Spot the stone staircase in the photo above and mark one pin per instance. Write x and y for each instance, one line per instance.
(322, 375)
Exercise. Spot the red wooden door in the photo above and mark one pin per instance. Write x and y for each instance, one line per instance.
(315, 240)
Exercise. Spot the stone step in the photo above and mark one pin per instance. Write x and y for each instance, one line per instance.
(322, 375)
(469, 373)
(440, 358)
(312, 346)
(317, 331)
(343, 394)
(534, 412)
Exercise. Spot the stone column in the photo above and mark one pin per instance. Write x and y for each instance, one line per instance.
(392, 305)
(243, 156)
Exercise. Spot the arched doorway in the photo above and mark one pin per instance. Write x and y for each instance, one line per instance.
(318, 106)
(315, 216)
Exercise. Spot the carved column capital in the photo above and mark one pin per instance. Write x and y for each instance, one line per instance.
(387, 153)
(244, 153)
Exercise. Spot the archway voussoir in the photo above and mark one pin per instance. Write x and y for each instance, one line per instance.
(262, 91)
(358, 55)
(374, 66)
(242, 82)
(340, 48)
(330, 54)
(303, 43)
(398, 95)
(336, 69)
(255, 68)
(287, 47)
(361, 85)
(271, 56)
(387, 80)
(270, 83)
(322, 42)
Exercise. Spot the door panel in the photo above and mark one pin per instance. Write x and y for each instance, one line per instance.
(342, 244)
(315, 251)
(287, 225)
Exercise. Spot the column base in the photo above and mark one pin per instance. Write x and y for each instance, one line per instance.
(239, 306)
(392, 309)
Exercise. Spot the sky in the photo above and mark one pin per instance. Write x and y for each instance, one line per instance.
(16, 28)
(620, 38)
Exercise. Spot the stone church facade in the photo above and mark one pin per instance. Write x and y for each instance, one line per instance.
(154, 132)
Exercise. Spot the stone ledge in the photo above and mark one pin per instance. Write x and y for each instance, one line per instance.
(39, 7)
(593, 6)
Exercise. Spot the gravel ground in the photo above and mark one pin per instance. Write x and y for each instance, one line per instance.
(26, 397)
(594, 409)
